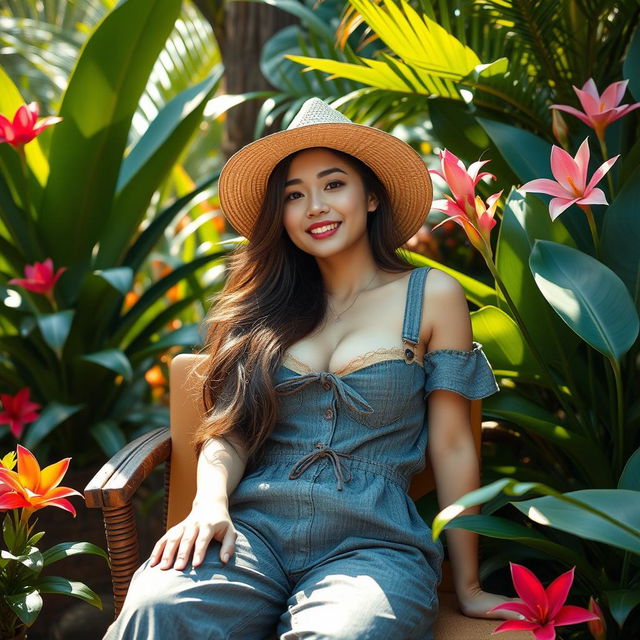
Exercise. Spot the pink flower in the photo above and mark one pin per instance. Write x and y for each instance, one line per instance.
(18, 411)
(597, 628)
(24, 127)
(39, 277)
(599, 110)
(571, 176)
(466, 208)
(543, 610)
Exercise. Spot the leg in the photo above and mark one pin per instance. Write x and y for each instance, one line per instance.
(364, 594)
(240, 600)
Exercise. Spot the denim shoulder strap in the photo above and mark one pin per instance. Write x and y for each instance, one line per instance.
(413, 312)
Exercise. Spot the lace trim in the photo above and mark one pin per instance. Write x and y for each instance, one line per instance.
(359, 362)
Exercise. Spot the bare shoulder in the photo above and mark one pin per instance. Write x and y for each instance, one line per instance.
(446, 323)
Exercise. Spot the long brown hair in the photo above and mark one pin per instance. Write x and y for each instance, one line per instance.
(273, 297)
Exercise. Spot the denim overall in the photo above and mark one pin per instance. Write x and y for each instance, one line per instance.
(330, 545)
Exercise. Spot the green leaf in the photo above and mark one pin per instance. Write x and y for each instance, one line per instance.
(631, 65)
(56, 584)
(8, 531)
(630, 477)
(31, 558)
(502, 342)
(55, 328)
(621, 603)
(54, 414)
(120, 278)
(149, 162)
(511, 141)
(587, 295)
(503, 529)
(186, 336)
(66, 549)
(591, 459)
(524, 221)
(98, 105)
(621, 236)
(475, 291)
(114, 360)
(109, 436)
(26, 606)
(611, 516)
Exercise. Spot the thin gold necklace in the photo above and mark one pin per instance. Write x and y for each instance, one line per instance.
(337, 316)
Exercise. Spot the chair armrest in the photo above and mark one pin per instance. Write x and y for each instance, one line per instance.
(118, 480)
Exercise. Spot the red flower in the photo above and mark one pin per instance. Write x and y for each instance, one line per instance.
(33, 488)
(39, 277)
(18, 411)
(542, 610)
(24, 127)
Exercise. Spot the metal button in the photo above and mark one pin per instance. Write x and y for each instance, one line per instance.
(328, 414)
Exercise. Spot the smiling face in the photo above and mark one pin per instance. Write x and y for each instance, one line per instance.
(325, 203)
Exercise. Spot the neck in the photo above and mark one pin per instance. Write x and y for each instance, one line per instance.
(348, 273)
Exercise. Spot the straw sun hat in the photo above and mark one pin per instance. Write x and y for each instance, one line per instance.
(243, 180)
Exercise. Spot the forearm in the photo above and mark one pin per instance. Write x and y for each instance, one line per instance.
(221, 466)
(457, 472)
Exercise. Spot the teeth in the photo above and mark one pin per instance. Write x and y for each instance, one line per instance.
(326, 227)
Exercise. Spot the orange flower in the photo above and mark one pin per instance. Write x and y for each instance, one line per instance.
(33, 488)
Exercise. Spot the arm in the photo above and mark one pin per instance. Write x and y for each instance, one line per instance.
(221, 466)
(451, 447)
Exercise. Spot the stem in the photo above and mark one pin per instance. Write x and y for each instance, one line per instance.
(592, 226)
(625, 569)
(619, 447)
(605, 157)
(527, 336)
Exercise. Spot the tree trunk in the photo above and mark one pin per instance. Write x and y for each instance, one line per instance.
(241, 30)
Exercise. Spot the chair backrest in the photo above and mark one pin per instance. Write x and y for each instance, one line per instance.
(186, 409)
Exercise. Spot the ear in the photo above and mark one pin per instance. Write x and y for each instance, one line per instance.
(372, 202)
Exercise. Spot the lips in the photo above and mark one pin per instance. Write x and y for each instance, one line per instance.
(319, 229)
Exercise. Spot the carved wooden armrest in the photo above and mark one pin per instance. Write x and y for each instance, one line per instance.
(112, 490)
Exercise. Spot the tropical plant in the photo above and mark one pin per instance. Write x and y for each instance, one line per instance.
(22, 493)
(84, 201)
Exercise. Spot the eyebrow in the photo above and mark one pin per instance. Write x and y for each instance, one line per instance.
(319, 175)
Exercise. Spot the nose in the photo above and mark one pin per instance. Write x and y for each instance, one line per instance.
(317, 205)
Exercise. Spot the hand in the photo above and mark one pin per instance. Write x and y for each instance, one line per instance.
(204, 523)
(475, 603)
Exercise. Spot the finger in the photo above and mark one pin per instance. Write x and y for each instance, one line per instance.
(156, 552)
(228, 544)
(170, 550)
(202, 544)
(184, 549)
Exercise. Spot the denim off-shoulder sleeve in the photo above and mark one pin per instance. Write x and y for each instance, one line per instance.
(466, 372)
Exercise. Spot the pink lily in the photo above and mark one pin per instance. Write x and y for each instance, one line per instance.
(599, 110)
(460, 180)
(571, 185)
(18, 411)
(542, 610)
(39, 277)
(24, 127)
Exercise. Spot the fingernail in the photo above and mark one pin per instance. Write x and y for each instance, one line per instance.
(520, 616)
(225, 557)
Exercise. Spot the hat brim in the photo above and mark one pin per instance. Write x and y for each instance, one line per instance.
(243, 179)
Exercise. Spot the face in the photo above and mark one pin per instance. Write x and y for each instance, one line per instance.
(325, 204)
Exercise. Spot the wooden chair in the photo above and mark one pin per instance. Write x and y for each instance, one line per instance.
(113, 487)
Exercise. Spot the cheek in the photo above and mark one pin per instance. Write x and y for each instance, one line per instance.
(291, 224)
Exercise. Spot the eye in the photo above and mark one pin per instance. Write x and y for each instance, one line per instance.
(288, 196)
(292, 193)
(338, 182)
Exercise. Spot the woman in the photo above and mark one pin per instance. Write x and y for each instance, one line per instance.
(323, 348)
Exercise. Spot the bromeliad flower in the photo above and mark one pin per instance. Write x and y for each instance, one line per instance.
(18, 410)
(571, 185)
(39, 277)
(599, 110)
(25, 126)
(542, 610)
(597, 628)
(32, 488)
